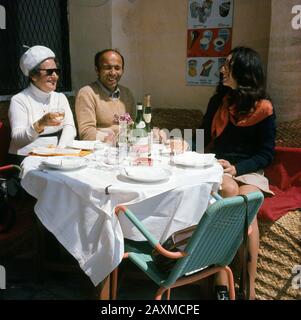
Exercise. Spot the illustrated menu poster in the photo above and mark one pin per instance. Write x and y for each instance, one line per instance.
(209, 39)
(210, 14)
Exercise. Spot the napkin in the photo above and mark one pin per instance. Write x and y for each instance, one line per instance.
(64, 162)
(147, 173)
(191, 158)
(83, 144)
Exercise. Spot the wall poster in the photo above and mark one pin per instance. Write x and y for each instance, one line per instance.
(209, 39)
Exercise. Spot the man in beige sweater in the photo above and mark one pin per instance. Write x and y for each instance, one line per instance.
(97, 103)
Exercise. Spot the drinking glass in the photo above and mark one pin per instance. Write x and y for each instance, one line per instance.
(177, 145)
(113, 157)
(59, 111)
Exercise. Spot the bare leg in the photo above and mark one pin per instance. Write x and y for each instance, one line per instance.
(253, 244)
(230, 187)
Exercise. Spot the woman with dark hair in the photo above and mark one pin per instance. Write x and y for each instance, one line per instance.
(239, 127)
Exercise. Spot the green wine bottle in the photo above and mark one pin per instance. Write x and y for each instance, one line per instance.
(139, 132)
(147, 114)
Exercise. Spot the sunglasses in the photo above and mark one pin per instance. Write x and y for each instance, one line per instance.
(49, 72)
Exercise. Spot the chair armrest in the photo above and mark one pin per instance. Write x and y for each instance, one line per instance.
(10, 167)
(216, 196)
(148, 236)
(137, 223)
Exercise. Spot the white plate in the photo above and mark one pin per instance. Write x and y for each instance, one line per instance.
(65, 163)
(194, 159)
(146, 174)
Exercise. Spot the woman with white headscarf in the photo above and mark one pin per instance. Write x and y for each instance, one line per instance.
(30, 112)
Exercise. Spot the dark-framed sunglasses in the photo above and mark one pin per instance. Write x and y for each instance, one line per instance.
(49, 72)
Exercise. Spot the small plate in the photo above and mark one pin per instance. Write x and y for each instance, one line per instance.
(65, 163)
(194, 159)
(146, 174)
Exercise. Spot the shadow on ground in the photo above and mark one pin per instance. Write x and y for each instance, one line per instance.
(22, 284)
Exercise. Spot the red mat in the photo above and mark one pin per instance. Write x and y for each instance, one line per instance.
(284, 175)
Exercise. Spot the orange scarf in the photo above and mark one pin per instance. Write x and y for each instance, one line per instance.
(262, 109)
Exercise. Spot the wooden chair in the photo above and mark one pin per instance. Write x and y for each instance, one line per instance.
(211, 248)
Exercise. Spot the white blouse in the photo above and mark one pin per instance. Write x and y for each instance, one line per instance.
(29, 106)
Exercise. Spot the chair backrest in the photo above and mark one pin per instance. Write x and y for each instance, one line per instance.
(4, 142)
(218, 235)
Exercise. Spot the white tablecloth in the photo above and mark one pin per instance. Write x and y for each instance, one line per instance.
(74, 207)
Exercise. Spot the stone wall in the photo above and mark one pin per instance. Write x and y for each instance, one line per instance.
(177, 118)
(284, 62)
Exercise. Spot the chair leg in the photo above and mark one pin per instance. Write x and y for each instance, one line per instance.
(230, 283)
(114, 282)
(41, 249)
(37, 260)
(160, 293)
(104, 289)
(168, 294)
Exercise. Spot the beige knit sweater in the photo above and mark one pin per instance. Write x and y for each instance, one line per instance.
(95, 109)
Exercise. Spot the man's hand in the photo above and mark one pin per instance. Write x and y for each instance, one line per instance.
(177, 145)
(159, 135)
(106, 135)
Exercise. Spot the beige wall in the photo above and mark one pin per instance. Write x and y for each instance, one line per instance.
(152, 36)
(126, 37)
(284, 69)
(251, 26)
(90, 31)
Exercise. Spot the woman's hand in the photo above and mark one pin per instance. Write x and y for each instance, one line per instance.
(228, 167)
(49, 119)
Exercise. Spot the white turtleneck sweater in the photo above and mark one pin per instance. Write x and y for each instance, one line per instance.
(29, 106)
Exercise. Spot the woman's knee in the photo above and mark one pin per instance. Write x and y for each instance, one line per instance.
(247, 188)
(230, 187)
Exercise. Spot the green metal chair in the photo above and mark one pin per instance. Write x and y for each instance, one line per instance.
(211, 248)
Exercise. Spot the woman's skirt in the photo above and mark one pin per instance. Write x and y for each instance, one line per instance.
(256, 179)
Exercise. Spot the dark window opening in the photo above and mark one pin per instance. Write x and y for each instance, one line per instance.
(33, 22)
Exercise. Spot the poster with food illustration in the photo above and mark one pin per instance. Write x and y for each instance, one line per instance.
(210, 14)
(209, 39)
(215, 42)
(204, 71)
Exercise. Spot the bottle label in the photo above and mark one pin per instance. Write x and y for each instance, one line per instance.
(140, 125)
(141, 141)
(147, 117)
